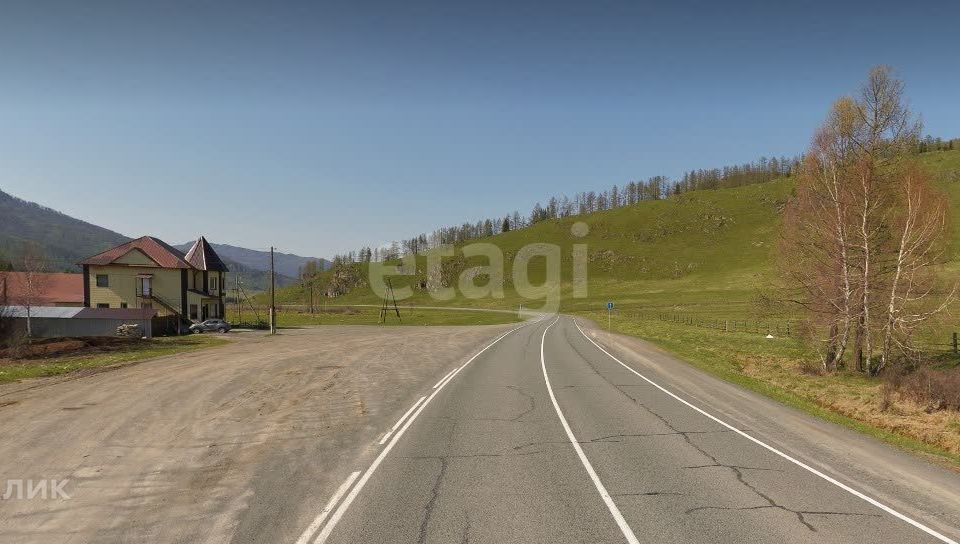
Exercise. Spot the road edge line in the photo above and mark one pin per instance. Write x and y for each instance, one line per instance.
(801, 464)
(443, 379)
(341, 510)
(312, 528)
(400, 421)
(601, 489)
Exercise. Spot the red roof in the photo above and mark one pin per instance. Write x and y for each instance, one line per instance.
(203, 257)
(165, 255)
(51, 288)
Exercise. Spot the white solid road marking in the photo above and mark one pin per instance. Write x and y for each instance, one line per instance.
(607, 499)
(400, 421)
(305, 537)
(341, 510)
(447, 379)
(797, 462)
(443, 379)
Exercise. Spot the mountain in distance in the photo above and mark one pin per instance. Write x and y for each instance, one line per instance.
(65, 241)
(285, 264)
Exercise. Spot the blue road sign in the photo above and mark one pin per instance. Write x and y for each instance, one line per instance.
(610, 305)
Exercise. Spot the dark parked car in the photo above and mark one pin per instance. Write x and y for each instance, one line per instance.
(210, 325)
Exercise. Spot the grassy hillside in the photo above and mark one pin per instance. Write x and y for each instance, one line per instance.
(708, 249)
(709, 253)
(946, 165)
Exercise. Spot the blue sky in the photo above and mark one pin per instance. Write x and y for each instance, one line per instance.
(318, 127)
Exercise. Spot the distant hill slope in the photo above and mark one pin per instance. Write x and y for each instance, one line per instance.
(286, 264)
(709, 251)
(253, 280)
(65, 240)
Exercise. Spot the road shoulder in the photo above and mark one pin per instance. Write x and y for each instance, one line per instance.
(904, 480)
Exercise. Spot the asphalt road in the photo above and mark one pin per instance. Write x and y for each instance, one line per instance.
(542, 433)
(545, 437)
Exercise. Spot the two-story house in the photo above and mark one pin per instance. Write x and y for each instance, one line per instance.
(149, 273)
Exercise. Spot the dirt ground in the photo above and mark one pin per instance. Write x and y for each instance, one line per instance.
(51, 347)
(203, 446)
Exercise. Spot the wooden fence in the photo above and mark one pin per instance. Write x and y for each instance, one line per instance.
(779, 328)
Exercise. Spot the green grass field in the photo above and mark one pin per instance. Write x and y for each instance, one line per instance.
(138, 351)
(289, 318)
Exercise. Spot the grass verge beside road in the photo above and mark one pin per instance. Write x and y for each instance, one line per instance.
(12, 370)
(780, 369)
(369, 316)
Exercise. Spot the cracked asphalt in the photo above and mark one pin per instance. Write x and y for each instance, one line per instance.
(248, 443)
(488, 460)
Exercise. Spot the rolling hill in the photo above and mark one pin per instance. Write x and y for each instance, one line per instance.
(707, 252)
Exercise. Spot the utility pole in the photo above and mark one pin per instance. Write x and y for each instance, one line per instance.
(273, 297)
(239, 316)
(308, 284)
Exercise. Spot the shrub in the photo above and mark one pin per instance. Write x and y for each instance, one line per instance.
(930, 388)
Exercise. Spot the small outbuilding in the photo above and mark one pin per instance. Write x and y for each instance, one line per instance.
(56, 322)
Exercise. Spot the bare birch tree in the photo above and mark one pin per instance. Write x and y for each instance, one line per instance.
(884, 133)
(6, 317)
(864, 233)
(819, 224)
(913, 292)
(33, 266)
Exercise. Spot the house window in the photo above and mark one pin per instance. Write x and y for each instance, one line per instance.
(213, 285)
(103, 305)
(193, 311)
(145, 286)
(103, 280)
(123, 304)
